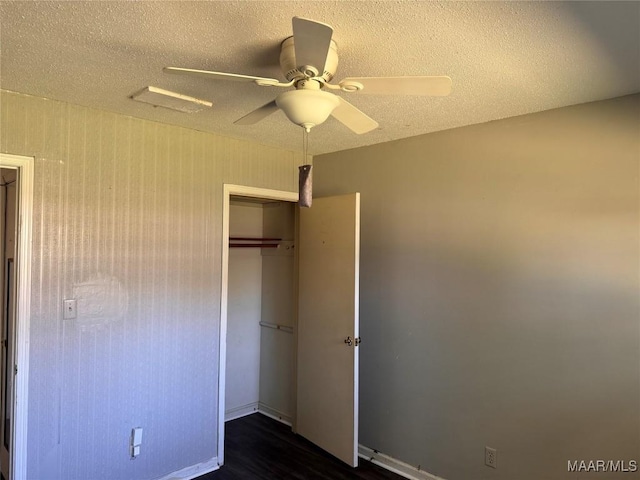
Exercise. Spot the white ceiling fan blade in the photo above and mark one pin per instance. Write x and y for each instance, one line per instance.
(353, 118)
(218, 75)
(258, 114)
(432, 86)
(311, 41)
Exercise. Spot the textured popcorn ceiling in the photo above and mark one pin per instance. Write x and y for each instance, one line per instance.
(505, 58)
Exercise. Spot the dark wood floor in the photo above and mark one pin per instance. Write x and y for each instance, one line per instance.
(259, 448)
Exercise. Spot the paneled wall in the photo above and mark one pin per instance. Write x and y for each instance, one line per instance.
(127, 220)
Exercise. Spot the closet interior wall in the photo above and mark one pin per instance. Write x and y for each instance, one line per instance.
(277, 348)
(260, 340)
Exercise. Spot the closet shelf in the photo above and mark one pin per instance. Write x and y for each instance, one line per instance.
(255, 239)
(253, 242)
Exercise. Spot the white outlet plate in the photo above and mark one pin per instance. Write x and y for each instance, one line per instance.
(490, 457)
(69, 309)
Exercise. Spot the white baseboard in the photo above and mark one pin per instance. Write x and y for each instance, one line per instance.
(257, 407)
(275, 414)
(194, 470)
(396, 466)
(241, 411)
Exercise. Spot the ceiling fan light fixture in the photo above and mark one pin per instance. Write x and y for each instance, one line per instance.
(308, 60)
(307, 108)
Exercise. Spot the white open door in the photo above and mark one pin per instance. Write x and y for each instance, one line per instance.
(327, 360)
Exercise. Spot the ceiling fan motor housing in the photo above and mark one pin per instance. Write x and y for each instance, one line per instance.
(307, 107)
(293, 71)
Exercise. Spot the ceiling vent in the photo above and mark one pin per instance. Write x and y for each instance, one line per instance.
(175, 101)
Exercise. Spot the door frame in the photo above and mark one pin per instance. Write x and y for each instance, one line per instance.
(228, 191)
(18, 454)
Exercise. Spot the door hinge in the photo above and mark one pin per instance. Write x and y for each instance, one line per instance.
(15, 369)
(358, 341)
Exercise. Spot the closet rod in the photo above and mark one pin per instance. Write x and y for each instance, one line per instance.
(253, 245)
(275, 326)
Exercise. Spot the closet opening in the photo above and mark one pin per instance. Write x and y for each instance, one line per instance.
(257, 361)
(260, 314)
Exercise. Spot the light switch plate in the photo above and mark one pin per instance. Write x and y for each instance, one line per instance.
(70, 309)
(136, 436)
(135, 441)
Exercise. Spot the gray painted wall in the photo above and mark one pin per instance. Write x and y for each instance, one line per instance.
(128, 219)
(500, 293)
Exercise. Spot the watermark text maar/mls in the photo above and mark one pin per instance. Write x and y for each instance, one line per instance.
(613, 466)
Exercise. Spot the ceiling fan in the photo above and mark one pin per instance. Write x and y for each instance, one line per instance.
(308, 60)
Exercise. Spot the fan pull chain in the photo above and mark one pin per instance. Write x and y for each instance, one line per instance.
(305, 181)
(305, 143)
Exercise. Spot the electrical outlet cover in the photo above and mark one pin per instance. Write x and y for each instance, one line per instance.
(490, 457)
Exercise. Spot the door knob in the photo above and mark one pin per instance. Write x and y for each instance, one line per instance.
(349, 341)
